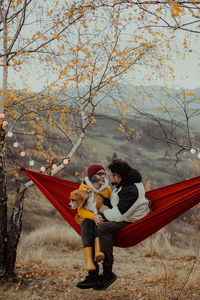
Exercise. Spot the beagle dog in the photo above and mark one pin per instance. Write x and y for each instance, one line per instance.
(87, 199)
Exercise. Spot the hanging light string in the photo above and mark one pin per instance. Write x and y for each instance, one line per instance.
(195, 150)
(23, 154)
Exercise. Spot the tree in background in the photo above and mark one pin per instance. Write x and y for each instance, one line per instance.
(171, 118)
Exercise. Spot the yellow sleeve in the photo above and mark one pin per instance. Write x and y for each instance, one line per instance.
(83, 214)
(107, 192)
(82, 186)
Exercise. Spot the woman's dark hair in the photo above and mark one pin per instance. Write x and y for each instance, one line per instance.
(119, 166)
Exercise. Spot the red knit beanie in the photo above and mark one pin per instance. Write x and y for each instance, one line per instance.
(93, 169)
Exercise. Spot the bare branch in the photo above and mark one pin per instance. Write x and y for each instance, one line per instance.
(186, 280)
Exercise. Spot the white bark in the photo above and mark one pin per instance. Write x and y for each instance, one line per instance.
(5, 67)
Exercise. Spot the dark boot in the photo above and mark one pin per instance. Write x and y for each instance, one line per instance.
(90, 280)
(105, 281)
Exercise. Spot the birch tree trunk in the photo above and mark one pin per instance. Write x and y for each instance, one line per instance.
(14, 231)
(3, 183)
(3, 207)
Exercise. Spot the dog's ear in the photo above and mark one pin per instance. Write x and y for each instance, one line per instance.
(84, 196)
(73, 194)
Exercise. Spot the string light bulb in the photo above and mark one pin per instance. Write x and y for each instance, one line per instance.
(65, 161)
(2, 116)
(16, 144)
(31, 163)
(22, 154)
(193, 151)
(10, 134)
(54, 166)
(5, 123)
(198, 155)
(42, 169)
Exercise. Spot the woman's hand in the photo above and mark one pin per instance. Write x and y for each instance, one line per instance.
(102, 208)
(98, 219)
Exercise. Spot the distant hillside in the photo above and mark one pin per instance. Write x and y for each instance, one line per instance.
(154, 158)
(148, 98)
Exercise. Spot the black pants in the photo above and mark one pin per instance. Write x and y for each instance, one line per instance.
(106, 232)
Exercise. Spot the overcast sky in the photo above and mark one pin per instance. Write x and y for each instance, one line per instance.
(186, 70)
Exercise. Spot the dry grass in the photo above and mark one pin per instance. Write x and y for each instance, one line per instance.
(50, 262)
(61, 236)
(159, 245)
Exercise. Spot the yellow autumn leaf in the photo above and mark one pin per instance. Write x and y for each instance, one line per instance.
(175, 9)
(190, 94)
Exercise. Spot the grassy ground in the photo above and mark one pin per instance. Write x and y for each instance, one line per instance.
(50, 263)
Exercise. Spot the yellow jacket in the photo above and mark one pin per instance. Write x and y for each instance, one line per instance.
(83, 213)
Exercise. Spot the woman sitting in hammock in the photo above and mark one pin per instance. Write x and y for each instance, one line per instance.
(128, 205)
(96, 182)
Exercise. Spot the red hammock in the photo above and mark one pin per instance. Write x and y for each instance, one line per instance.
(168, 203)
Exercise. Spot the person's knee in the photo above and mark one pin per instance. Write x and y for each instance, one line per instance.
(87, 222)
(102, 229)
